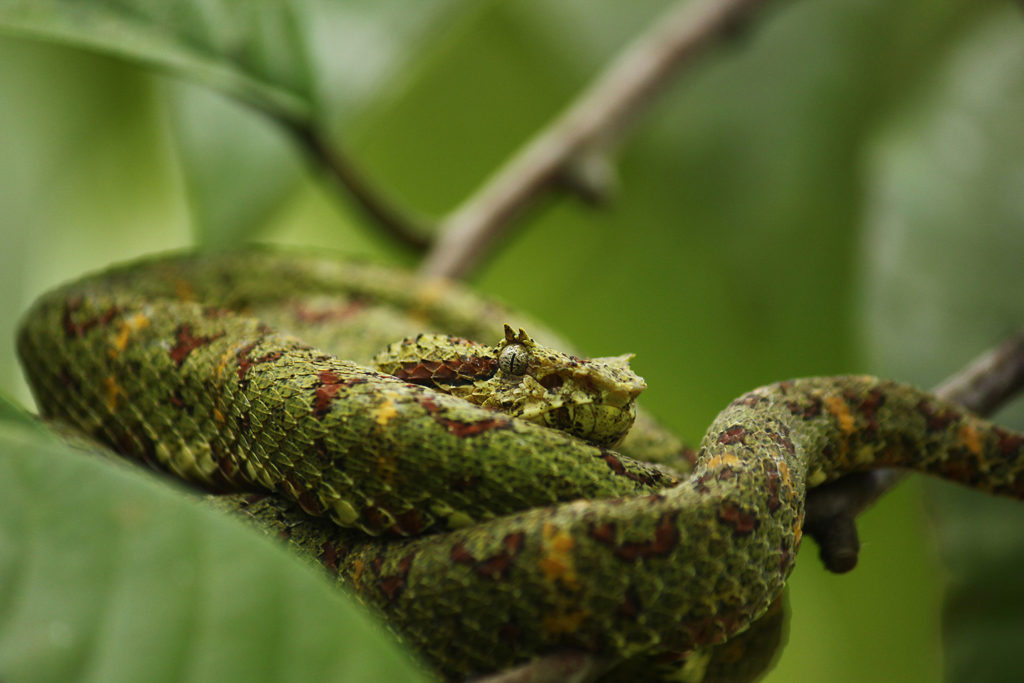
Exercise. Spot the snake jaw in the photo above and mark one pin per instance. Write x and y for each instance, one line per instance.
(613, 380)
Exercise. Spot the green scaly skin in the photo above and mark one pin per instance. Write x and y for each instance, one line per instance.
(593, 399)
(554, 543)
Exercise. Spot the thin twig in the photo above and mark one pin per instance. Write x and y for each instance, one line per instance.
(591, 122)
(384, 213)
(982, 386)
(990, 380)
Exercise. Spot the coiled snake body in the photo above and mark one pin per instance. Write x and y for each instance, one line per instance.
(522, 539)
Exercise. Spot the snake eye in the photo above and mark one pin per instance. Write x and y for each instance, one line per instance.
(514, 359)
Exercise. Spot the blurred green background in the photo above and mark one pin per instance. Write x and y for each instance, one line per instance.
(839, 188)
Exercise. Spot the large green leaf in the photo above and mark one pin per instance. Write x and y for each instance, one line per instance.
(106, 575)
(315, 63)
(308, 61)
(256, 50)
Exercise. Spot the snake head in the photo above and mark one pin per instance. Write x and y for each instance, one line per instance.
(593, 399)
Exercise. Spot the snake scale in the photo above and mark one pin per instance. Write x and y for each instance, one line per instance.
(485, 538)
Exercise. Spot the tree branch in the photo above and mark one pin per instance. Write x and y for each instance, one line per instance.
(329, 156)
(994, 377)
(982, 386)
(591, 122)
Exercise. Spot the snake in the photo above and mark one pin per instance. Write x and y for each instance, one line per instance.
(494, 502)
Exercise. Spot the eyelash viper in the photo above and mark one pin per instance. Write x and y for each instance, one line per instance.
(524, 540)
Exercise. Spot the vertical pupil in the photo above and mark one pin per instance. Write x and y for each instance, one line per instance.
(513, 360)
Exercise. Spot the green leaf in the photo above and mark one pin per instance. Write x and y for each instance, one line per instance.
(106, 575)
(239, 168)
(316, 63)
(303, 60)
(12, 415)
(254, 50)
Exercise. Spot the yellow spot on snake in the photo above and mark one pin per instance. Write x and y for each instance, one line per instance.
(125, 328)
(837, 406)
(970, 438)
(114, 391)
(565, 623)
(557, 563)
(784, 472)
(722, 460)
(218, 416)
(385, 411)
